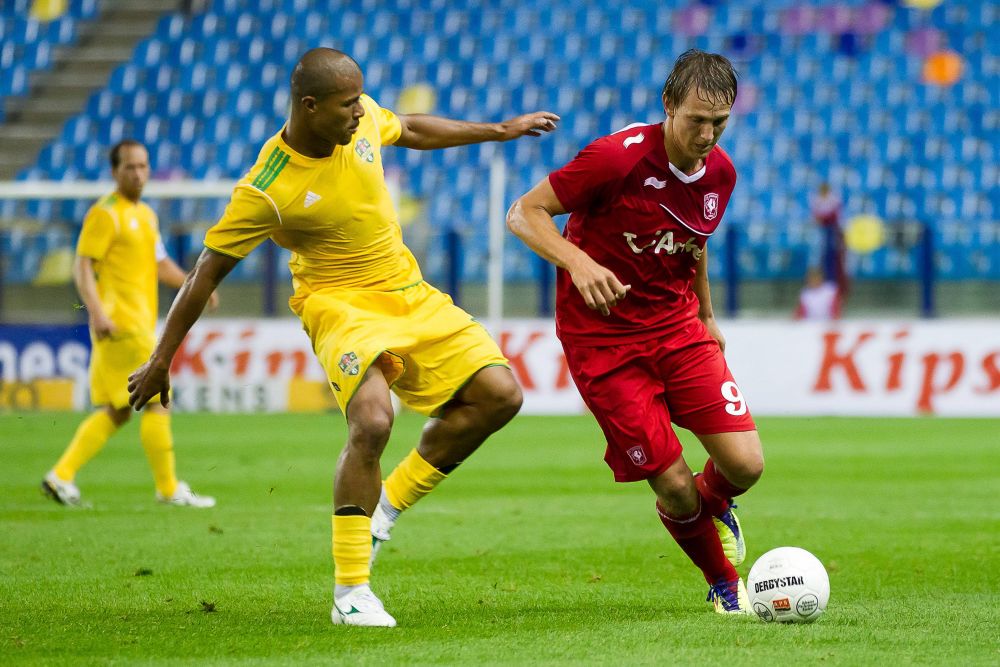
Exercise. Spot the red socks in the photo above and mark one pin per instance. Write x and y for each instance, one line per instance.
(697, 534)
(697, 537)
(715, 490)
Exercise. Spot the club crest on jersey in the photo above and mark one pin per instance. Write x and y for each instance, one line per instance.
(349, 364)
(364, 150)
(711, 206)
(637, 455)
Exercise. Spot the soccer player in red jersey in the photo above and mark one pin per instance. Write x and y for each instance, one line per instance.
(634, 310)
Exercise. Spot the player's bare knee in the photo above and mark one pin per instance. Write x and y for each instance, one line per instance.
(369, 427)
(676, 491)
(502, 398)
(756, 470)
(746, 472)
(507, 402)
(677, 504)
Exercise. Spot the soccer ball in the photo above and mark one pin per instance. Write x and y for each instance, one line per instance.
(788, 585)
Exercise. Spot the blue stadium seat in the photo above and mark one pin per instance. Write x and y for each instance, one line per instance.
(206, 90)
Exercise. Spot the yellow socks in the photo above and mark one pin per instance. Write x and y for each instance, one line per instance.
(158, 442)
(90, 437)
(412, 479)
(94, 432)
(352, 546)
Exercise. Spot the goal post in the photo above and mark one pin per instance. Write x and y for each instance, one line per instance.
(497, 233)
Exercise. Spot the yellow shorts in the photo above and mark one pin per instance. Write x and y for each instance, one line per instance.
(426, 346)
(112, 361)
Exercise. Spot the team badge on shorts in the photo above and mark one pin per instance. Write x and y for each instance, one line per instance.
(711, 206)
(637, 455)
(349, 364)
(364, 150)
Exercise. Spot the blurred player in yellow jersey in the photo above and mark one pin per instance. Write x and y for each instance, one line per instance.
(119, 258)
(318, 189)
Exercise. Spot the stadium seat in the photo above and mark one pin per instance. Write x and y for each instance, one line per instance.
(205, 90)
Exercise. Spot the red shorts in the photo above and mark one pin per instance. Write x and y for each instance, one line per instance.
(636, 390)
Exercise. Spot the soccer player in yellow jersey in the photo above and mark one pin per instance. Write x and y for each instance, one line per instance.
(318, 189)
(119, 258)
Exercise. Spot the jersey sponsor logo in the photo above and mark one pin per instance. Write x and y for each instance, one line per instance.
(654, 182)
(637, 455)
(133, 223)
(664, 242)
(711, 206)
(634, 139)
(364, 150)
(311, 198)
(349, 364)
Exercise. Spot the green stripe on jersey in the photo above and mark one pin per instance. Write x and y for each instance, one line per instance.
(262, 176)
(278, 166)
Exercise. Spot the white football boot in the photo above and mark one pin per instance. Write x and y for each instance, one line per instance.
(381, 525)
(64, 493)
(361, 607)
(185, 497)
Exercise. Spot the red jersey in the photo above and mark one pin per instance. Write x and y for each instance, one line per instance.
(638, 215)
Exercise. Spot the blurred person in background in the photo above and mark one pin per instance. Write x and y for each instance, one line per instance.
(826, 206)
(318, 189)
(634, 311)
(119, 259)
(819, 299)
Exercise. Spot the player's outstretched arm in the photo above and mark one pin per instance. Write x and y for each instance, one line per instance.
(425, 132)
(153, 377)
(530, 219)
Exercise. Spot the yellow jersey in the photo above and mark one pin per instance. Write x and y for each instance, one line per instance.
(123, 239)
(335, 213)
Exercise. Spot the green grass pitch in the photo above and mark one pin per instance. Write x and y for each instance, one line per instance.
(530, 554)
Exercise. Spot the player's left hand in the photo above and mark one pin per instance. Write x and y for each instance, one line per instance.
(715, 332)
(531, 124)
(147, 381)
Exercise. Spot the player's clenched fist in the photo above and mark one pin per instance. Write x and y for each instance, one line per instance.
(146, 382)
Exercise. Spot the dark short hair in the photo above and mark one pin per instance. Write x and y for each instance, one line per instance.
(710, 73)
(115, 154)
(317, 71)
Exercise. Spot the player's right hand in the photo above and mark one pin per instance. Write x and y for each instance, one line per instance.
(600, 288)
(146, 382)
(101, 325)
